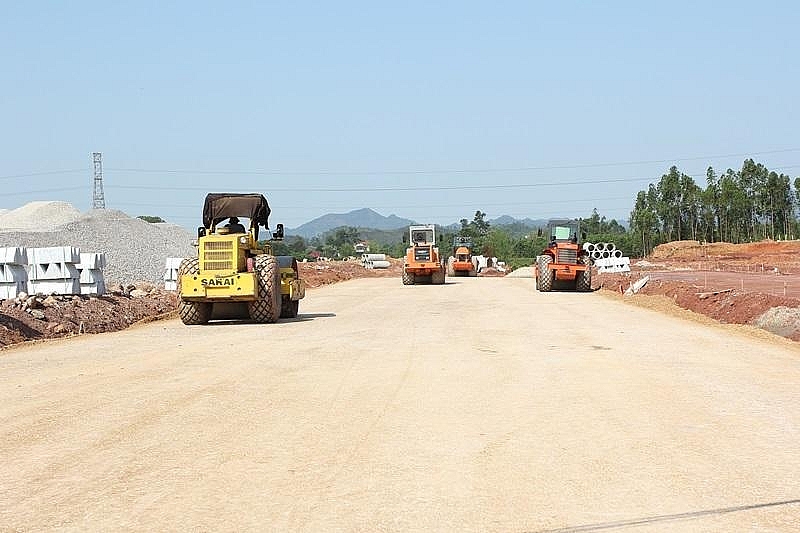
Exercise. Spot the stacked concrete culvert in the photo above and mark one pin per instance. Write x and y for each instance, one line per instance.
(371, 261)
(606, 257)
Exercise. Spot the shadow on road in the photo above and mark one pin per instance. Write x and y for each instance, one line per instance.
(302, 317)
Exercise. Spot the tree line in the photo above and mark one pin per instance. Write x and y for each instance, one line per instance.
(744, 205)
(747, 205)
(515, 246)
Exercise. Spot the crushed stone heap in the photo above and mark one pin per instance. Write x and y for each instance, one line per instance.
(135, 250)
(38, 216)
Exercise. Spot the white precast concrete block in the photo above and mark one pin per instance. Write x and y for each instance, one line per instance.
(92, 260)
(55, 286)
(613, 264)
(171, 272)
(36, 271)
(612, 261)
(173, 263)
(98, 287)
(91, 275)
(11, 289)
(15, 255)
(13, 273)
(614, 269)
(55, 254)
(54, 271)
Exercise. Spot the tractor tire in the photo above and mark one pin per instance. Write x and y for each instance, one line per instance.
(289, 308)
(437, 278)
(545, 281)
(408, 278)
(192, 313)
(450, 270)
(472, 272)
(583, 281)
(266, 308)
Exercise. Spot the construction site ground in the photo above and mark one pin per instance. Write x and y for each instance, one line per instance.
(480, 405)
(41, 318)
(756, 284)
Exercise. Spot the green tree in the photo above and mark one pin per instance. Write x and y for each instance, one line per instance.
(498, 243)
(151, 219)
(339, 243)
(644, 221)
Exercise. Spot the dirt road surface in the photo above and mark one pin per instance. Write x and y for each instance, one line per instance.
(480, 405)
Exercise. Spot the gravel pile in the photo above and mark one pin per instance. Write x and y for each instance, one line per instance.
(38, 216)
(135, 250)
(522, 272)
(783, 321)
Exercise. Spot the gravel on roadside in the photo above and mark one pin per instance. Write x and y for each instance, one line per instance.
(135, 250)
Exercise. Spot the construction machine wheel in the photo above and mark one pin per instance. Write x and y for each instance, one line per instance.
(545, 280)
(408, 278)
(450, 270)
(437, 278)
(289, 307)
(192, 313)
(266, 308)
(583, 281)
(472, 272)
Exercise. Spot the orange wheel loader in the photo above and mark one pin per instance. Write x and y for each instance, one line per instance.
(563, 264)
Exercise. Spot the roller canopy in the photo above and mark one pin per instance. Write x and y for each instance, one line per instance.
(220, 206)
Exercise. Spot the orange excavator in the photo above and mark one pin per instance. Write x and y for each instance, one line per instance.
(461, 263)
(563, 264)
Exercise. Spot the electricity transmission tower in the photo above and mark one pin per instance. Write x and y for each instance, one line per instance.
(98, 199)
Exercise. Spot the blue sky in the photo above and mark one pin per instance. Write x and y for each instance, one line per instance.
(428, 110)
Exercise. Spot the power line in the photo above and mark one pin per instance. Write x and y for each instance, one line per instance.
(404, 172)
(403, 188)
(47, 173)
(42, 191)
(448, 171)
(399, 188)
(410, 206)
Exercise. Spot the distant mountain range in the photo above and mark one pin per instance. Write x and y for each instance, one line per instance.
(368, 219)
(360, 218)
(506, 220)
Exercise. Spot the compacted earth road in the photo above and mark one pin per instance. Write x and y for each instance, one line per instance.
(479, 405)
